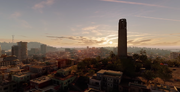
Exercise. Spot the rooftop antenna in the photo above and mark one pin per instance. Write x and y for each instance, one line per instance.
(12, 38)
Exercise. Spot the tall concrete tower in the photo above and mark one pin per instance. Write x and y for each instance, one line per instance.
(122, 38)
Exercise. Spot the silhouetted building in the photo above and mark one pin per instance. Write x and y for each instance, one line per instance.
(174, 55)
(43, 49)
(22, 47)
(20, 50)
(3, 52)
(122, 38)
(34, 51)
(67, 49)
(14, 50)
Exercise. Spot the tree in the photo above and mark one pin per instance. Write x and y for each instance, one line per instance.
(143, 52)
(112, 55)
(91, 72)
(136, 56)
(143, 58)
(165, 73)
(148, 75)
(104, 61)
(81, 65)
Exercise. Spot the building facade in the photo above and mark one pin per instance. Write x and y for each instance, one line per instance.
(106, 80)
(20, 50)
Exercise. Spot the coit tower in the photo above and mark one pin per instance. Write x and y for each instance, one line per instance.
(122, 38)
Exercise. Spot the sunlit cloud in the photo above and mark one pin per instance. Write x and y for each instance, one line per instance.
(81, 39)
(42, 4)
(90, 28)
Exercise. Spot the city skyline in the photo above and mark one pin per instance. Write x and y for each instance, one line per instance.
(82, 23)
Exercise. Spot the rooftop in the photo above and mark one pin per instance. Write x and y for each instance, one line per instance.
(40, 79)
(22, 74)
(110, 72)
(64, 78)
(65, 69)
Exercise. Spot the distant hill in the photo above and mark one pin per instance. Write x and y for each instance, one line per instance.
(7, 46)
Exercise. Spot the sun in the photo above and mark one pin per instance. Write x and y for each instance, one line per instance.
(110, 42)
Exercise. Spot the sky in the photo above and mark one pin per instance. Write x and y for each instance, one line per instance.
(81, 23)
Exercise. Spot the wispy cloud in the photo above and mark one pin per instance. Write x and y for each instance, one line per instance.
(42, 4)
(137, 3)
(23, 23)
(138, 42)
(157, 18)
(15, 15)
(167, 43)
(90, 28)
(81, 40)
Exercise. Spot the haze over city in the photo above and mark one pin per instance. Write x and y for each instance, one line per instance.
(80, 23)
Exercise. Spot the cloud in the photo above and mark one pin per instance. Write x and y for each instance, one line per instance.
(167, 43)
(15, 15)
(25, 24)
(138, 42)
(42, 4)
(136, 3)
(90, 28)
(81, 40)
(157, 18)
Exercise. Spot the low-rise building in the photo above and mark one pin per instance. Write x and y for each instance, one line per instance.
(63, 77)
(38, 69)
(8, 86)
(21, 77)
(43, 84)
(107, 80)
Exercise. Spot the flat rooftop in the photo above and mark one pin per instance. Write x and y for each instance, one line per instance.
(110, 72)
(22, 74)
(40, 79)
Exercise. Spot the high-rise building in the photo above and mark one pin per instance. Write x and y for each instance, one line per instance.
(43, 49)
(22, 47)
(15, 50)
(122, 38)
(20, 50)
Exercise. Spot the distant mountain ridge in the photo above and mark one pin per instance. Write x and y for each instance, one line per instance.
(7, 46)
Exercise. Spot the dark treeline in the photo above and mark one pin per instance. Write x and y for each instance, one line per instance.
(149, 51)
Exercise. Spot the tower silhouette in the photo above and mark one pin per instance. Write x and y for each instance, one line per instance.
(122, 39)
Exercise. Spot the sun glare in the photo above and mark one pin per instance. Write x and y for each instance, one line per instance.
(110, 42)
